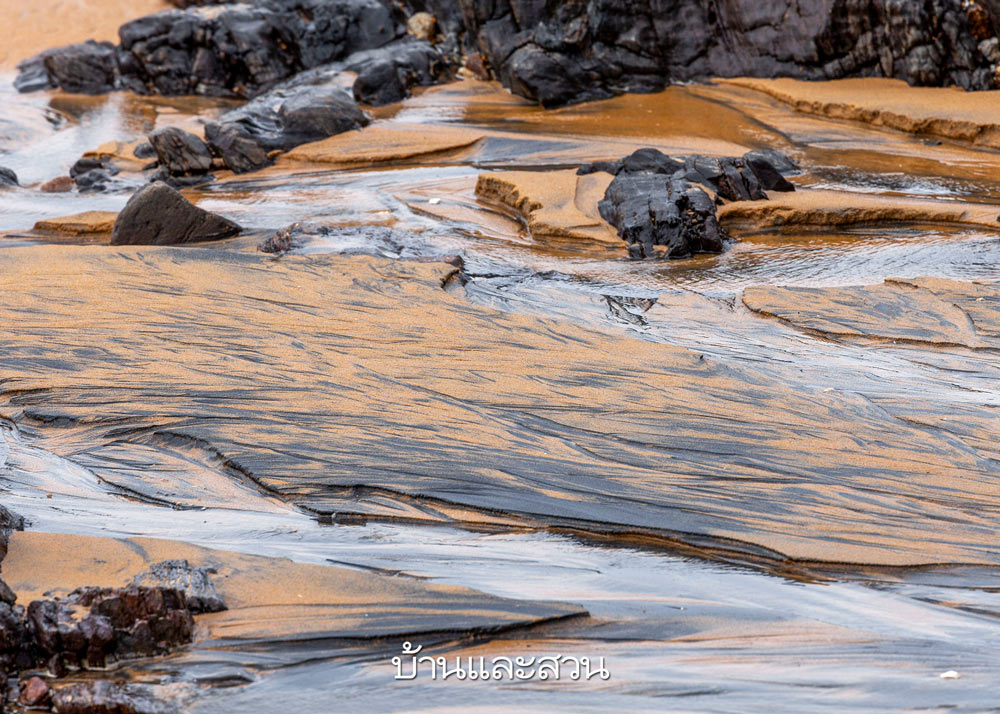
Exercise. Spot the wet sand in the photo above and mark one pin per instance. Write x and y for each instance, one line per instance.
(550, 422)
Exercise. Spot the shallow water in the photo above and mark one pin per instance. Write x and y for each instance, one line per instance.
(209, 395)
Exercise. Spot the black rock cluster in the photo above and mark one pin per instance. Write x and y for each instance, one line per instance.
(659, 204)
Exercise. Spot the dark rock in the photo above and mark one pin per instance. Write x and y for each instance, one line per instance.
(7, 177)
(144, 150)
(83, 165)
(649, 160)
(386, 74)
(730, 178)
(239, 151)
(281, 241)
(181, 182)
(650, 210)
(778, 161)
(7, 595)
(193, 581)
(96, 180)
(287, 117)
(244, 50)
(9, 522)
(93, 624)
(32, 75)
(91, 174)
(35, 692)
(180, 152)
(99, 697)
(158, 215)
(88, 68)
(556, 53)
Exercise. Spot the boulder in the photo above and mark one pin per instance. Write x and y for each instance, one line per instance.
(87, 68)
(386, 75)
(159, 215)
(240, 152)
(658, 216)
(7, 177)
(284, 118)
(180, 152)
(199, 593)
(243, 50)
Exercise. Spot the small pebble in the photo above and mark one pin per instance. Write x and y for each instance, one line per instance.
(434, 201)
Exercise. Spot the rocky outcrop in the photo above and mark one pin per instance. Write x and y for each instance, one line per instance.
(88, 68)
(575, 51)
(553, 53)
(655, 201)
(651, 211)
(180, 152)
(240, 50)
(159, 215)
(199, 593)
(87, 629)
(92, 174)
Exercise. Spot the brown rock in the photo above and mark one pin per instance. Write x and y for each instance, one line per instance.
(423, 26)
(60, 184)
(79, 223)
(159, 215)
(34, 692)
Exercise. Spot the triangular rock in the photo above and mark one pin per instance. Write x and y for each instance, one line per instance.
(159, 215)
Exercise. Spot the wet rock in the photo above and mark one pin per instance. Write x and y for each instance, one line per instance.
(93, 174)
(651, 160)
(99, 697)
(287, 117)
(387, 74)
(144, 150)
(200, 595)
(281, 241)
(7, 177)
(651, 211)
(732, 179)
(180, 152)
(88, 68)
(566, 52)
(240, 152)
(768, 166)
(34, 693)
(60, 184)
(9, 522)
(92, 625)
(158, 215)
(245, 49)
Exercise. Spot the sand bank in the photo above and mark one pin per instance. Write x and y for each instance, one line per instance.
(943, 112)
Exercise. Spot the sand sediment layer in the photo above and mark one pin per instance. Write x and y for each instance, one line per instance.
(308, 377)
(945, 112)
(271, 598)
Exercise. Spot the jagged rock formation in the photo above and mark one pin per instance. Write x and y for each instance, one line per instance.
(557, 53)
(656, 201)
(553, 53)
